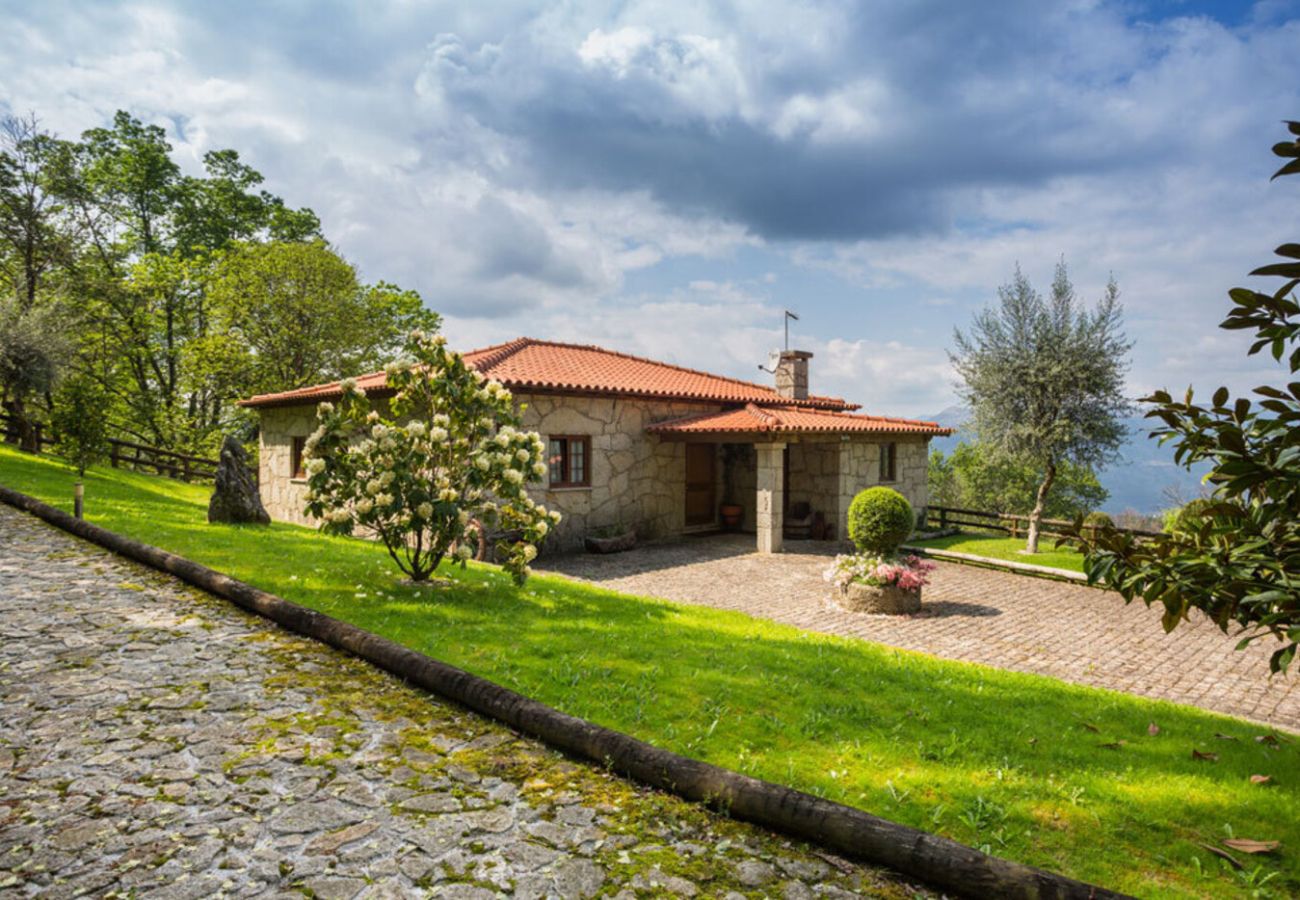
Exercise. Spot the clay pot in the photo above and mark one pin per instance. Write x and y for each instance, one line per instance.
(887, 599)
(731, 514)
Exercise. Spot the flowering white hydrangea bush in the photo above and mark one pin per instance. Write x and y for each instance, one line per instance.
(457, 456)
(910, 573)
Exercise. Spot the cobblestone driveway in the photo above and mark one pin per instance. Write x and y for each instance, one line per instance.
(155, 742)
(1068, 631)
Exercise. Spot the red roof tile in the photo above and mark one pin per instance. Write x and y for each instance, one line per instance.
(778, 420)
(526, 364)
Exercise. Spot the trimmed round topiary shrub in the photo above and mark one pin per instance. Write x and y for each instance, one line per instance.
(1098, 519)
(880, 519)
(1188, 517)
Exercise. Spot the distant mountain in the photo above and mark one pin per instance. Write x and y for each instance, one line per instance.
(1141, 481)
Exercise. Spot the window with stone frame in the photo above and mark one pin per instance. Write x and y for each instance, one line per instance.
(297, 465)
(569, 458)
(888, 462)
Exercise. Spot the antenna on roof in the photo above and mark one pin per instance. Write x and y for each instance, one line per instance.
(774, 357)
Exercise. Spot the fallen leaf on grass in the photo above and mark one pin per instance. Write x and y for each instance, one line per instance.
(1114, 745)
(1271, 739)
(1260, 779)
(1153, 729)
(1246, 845)
(1091, 727)
(1224, 737)
(1208, 757)
(1221, 853)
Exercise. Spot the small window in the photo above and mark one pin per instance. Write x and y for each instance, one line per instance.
(888, 462)
(570, 460)
(296, 462)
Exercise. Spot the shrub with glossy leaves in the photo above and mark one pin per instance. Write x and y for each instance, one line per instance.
(450, 452)
(880, 519)
(1237, 559)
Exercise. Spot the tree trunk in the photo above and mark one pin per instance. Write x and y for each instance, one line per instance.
(1041, 501)
(26, 433)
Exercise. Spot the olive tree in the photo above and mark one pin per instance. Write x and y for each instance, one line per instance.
(1044, 379)
(1235, 555)
(448, 453)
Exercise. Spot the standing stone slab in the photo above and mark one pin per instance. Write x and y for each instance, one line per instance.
(235, 498)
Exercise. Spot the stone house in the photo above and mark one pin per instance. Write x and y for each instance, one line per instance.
(635, 442)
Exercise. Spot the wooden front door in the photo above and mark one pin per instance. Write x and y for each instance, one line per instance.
(701, 472)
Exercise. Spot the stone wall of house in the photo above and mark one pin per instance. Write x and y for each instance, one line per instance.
(744, 480)
(860, 468)
(814, 477)
(282, 494)
(636, 479)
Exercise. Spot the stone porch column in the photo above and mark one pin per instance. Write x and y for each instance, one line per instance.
(849, 477)
(771, 496)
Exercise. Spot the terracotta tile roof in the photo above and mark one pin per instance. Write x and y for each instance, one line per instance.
(779, 420)
(527, 364)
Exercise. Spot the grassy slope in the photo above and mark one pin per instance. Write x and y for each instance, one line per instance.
(998, 547)
(993, 758)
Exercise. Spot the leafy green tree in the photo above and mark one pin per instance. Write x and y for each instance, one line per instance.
(974, 476)
(287, 315)
(1044, 378)
(34, 348)
(451, 452)
(79, 426)
(1236, 555)
(32, 243)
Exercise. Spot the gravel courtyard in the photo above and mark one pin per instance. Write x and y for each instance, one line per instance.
(1067, 631)
(156, 742)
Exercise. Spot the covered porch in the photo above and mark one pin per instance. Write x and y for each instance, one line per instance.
(777, 461)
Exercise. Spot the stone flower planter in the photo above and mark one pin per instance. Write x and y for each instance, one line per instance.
(616, 544)
(887, 599)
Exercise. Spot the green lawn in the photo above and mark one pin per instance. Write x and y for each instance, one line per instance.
(999, 547)
(1030, 768)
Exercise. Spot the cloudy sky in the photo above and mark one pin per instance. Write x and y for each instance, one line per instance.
(665, 177)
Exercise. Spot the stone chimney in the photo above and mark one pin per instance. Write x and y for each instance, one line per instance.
(792, 374)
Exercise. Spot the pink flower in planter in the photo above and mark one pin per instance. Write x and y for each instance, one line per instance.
(910, 573)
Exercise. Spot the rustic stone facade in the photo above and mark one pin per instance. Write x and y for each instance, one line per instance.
(637, 479)
(282, 494)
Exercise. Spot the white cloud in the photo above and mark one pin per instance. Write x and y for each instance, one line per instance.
(646, 176)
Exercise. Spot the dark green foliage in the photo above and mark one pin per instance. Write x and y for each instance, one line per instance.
(976, 476)
(880, 519)
(79, 423)
(141, 263)
(1237, 557)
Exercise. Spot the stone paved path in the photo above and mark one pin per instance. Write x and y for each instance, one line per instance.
(156, 742)
(1067, 631)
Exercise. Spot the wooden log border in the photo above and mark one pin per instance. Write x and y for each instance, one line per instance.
(938, 861)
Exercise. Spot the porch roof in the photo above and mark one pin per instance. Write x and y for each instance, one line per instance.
(773, 421)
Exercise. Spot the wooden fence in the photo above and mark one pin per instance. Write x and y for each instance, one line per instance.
(128, 454)
(1008, 523)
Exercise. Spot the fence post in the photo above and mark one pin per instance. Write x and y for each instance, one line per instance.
(113, 453)
(943, 517)
(36, 438)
